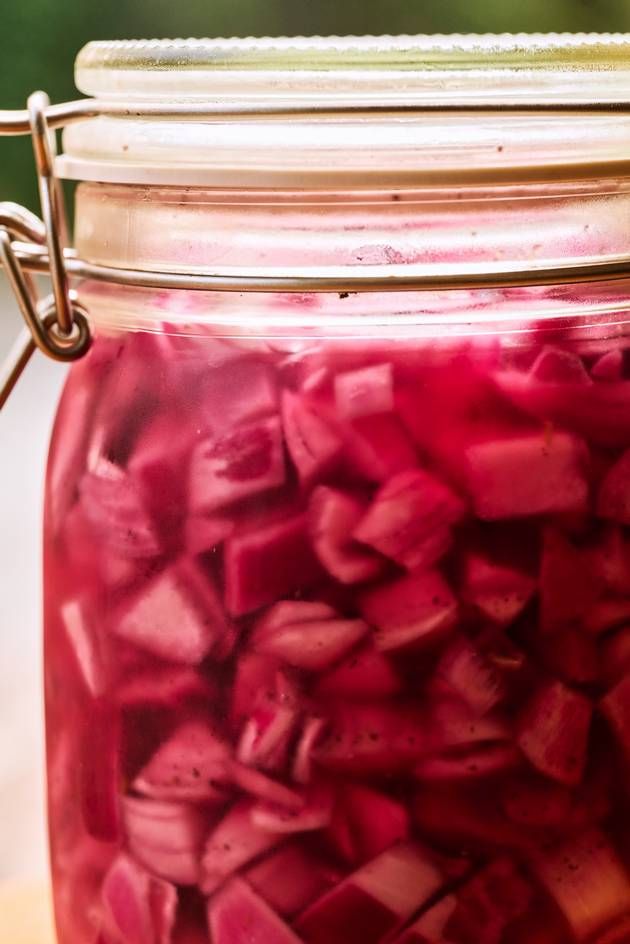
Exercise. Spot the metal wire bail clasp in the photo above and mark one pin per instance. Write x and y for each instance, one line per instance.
(56, 325)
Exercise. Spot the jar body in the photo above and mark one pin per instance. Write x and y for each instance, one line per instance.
(336, 635)
(338, 583)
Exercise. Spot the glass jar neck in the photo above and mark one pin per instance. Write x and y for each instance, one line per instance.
(197, 230)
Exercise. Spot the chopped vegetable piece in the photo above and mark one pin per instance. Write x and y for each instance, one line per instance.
(616, 708)
(611, 560)
(553, 732)
(365, 392)
(571, 654)
(240, 390)
(609, 366)
(597, 411)
(204, 533)
(536, 802)
(264, 788)
(99, 771)
(377, 447)
(616, 655)
(290, 878)
(374, 899)
(237, 464)
(255, 676)
(313, 443)
(429, 927)
(312, 731)
(166, 838)
(160, 472)
(466, 815)
(289, 612)
(613, 499)
(233, 843)
(265, 737)
(556, 365)
(312, 645)
(237, 915)
(140, 909)
(364, 673)
(499, 592)
(453, 724)
(372, 738)
(587, 880)
(84, 637)
(313, 813)
(487, 903)
(192, 764)
(415, 609)
(569, 585)
(113, 504)
(410, 519)
(526, 475)
(467, 674)
(619, 934)
(333, 517)
(266, 562)
(178, 616)
(366, 822)
(166, 686)
(469, 764)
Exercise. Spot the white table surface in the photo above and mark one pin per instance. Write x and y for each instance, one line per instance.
(24, 430)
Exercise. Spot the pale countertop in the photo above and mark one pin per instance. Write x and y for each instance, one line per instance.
(24, 429)
(25, 913)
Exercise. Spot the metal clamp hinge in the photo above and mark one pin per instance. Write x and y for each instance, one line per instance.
(55, 324)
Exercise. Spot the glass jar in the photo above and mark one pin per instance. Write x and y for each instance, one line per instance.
(338, 582)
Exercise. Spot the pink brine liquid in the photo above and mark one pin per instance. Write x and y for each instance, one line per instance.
(337, 642)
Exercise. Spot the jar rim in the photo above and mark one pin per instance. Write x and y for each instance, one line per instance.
(365, 65)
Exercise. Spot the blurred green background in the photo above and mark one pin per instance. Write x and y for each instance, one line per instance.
(40, 38)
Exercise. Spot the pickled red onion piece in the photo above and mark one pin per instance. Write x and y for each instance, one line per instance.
(237, 914)
(266, 561)
(374, 899)
(410, 519)
(511, 476)
(182, 596)
(192, 764)
(333, 517)
(140, 908)
(291, 877)
(166, 838)
(587, 880)
(417, 609)
(553, 732)
(313, 443)
(233, 843)
(365, 391)
(236, 464)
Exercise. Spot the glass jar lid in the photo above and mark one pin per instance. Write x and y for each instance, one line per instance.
(396, 110)
(360, 69)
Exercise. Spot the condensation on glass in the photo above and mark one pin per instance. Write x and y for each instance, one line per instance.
(338, 584)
